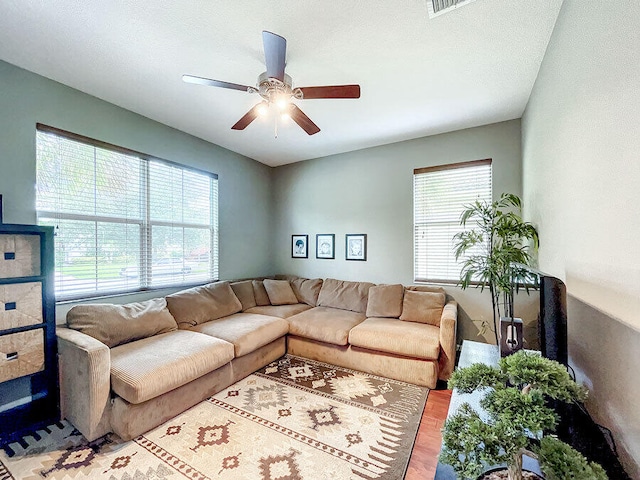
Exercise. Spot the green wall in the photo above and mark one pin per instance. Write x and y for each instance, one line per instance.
(371, 191)
(581, 186)
(245, 207)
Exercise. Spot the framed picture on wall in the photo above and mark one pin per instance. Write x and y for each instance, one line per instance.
(299, 244)
(356, 246)
(325, 245)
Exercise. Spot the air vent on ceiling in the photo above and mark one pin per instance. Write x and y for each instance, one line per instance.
(438, 7)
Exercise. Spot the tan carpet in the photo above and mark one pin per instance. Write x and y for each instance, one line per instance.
(294, 419)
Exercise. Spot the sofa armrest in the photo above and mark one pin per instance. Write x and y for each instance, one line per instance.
(85, 382)
(448, 325)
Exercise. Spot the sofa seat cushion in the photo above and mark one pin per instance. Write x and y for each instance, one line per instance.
(391, 335)
(326, 324)
(152, 366)
(246, 331)
(282, 311)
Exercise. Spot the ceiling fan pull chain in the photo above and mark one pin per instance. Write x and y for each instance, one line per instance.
(275, 122)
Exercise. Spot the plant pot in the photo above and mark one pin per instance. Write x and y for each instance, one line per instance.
(501, 473)
(510, 335)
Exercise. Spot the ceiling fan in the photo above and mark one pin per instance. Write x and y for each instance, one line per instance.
(276, 87)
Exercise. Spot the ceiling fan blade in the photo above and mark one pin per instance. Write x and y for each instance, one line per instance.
(331, 91)
(275, 48)
(248, 117)
(301, 119)
(214, 83)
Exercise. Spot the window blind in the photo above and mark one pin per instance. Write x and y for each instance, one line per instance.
(124, 221)
(440, 194)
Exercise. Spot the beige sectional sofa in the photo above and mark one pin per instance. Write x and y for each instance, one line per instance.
(129, 368)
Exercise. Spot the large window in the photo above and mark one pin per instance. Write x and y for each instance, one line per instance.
(123, 221)
(439, 197)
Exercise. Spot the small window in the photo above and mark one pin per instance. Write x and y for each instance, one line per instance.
(440, 194)
(124, 221)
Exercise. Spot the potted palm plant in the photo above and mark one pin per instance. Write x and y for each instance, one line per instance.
(517, 420)
(495, 248)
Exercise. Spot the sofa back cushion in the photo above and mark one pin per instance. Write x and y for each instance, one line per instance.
(425, 288)
(344, 295)
(201, 304)
(262, 298)
(280, 292)
(385, 301)
(285, 276)
(422, 307)
(307, 290)
(244, 292)
(114, 325)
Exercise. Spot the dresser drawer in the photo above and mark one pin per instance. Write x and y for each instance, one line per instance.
(20, 305)
(19, 255)
(21, 354)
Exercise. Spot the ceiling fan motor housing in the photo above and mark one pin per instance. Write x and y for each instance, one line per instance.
(272, 89)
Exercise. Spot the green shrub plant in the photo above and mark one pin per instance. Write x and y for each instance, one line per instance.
(496, 240)
(516, 420)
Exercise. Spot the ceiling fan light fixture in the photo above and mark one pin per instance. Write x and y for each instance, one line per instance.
(263, 109)
(282, 102)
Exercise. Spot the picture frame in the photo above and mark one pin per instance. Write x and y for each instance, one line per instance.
(299, 246)
(356, 246)
(325, 246)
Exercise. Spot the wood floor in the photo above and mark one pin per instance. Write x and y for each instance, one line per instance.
(424, 457)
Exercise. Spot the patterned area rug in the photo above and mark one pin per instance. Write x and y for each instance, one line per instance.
(296, 419)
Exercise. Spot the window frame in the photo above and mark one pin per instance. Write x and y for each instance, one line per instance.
(438, 168)
(145, 223)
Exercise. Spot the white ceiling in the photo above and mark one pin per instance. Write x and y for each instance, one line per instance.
(419, 76)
